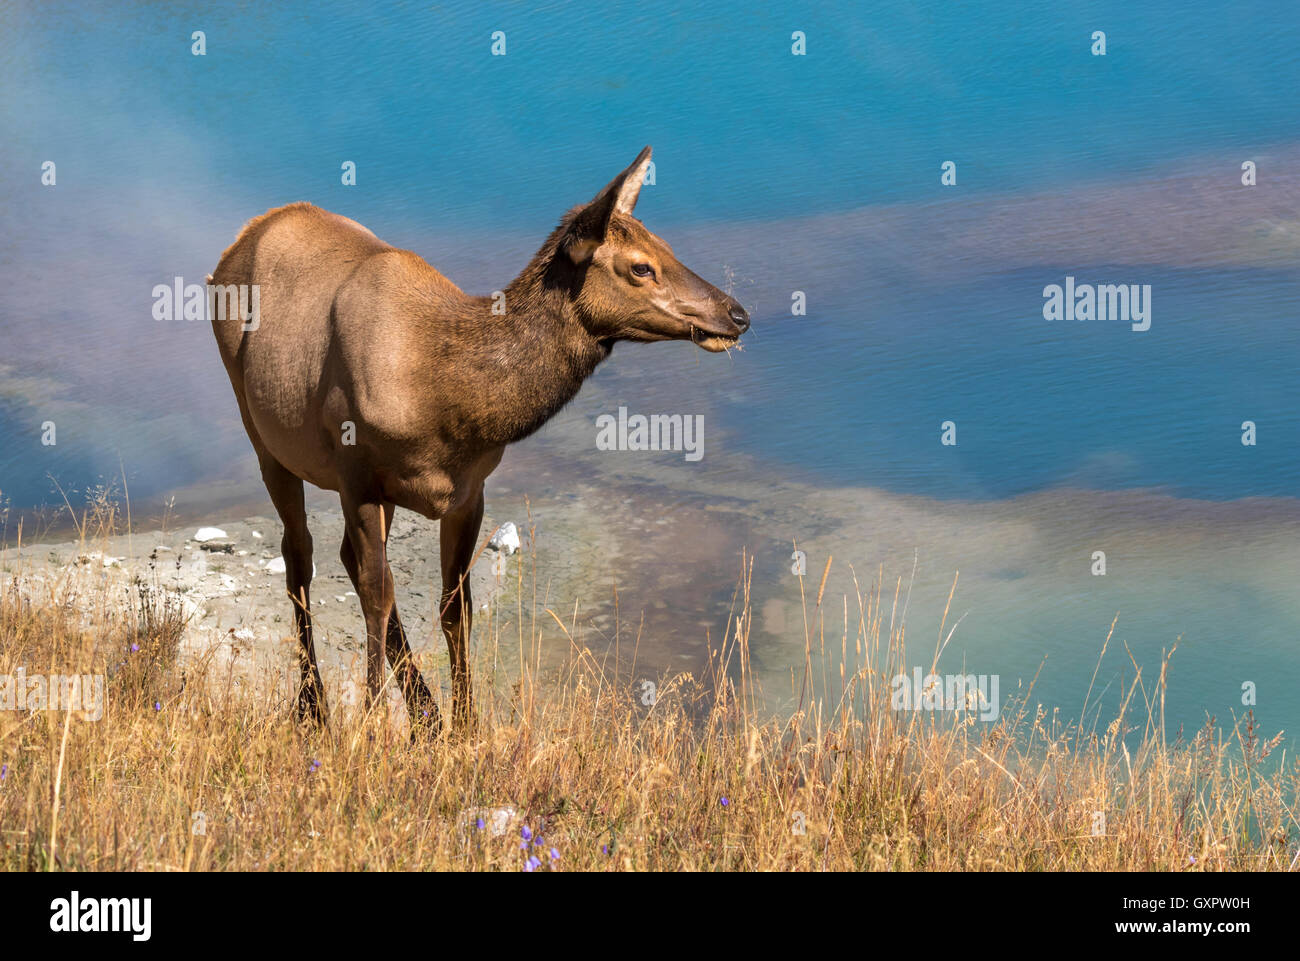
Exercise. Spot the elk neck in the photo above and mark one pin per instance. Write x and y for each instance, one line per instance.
(532, 357)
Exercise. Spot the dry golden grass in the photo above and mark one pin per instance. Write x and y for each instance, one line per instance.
(177, 777)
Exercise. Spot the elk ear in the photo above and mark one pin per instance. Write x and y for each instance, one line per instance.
(618, 197)
(624, 189)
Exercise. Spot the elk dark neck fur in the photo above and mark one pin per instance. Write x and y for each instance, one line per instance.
(536, 355)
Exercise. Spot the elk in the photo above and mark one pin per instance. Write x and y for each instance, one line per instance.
(371, 374)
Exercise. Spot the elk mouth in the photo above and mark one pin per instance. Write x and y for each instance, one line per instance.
(713, 343)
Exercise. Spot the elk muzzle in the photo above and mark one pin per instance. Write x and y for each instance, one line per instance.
(723, 329)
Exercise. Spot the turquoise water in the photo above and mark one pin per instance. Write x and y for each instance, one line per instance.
(818, 174)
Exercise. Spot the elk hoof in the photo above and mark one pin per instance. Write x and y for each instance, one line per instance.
(311, 707)
(426, 722)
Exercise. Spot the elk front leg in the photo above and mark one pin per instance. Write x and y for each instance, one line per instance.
(368, 533)
(457, 537)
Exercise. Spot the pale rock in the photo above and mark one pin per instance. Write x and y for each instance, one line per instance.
(496, 821)
(506, 539)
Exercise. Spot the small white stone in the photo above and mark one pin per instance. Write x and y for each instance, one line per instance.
(506, 539)
(257, 534)
(208, 534)
(496, 821)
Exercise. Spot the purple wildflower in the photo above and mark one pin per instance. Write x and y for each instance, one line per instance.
(526, 833)
(480, 824)
(532, 864)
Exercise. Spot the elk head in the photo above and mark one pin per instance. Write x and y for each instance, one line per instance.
(629, 284)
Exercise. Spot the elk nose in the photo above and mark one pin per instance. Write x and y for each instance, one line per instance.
(739, 317)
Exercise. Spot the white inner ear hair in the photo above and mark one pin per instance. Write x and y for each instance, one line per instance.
(631, 188)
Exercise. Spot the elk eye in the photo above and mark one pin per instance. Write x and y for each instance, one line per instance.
(643, 270)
